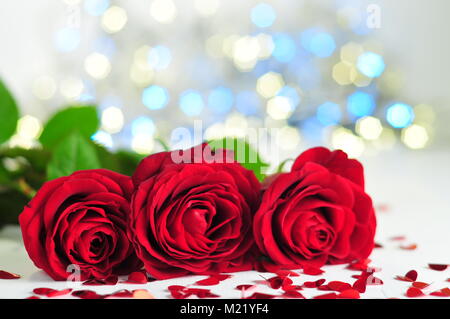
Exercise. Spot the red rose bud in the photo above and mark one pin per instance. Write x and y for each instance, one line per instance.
(318, 213)
(81, 220)
(192, 213)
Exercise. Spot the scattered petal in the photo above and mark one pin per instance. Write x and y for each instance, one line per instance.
(279, 282)
(438, 267)
(414, 292)
(362, 264)
(339, 286)
(259, 295)
(111, 280)
(221, 277)
(287, 273)
(293, 294)
(314, 284)
(420, 285)
(377, 245)
(398, 238)
(245, 287)
(87, 294)
(124, 293)
(360, 285)
(8, 275)
(58, 293)
(33, 297)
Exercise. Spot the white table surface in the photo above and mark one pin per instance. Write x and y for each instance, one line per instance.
(415, 186)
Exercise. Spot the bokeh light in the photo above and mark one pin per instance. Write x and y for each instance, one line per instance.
(96, 7)
(269, 84)
(318, 42)
(206, 7)
(155, 97)
(44, 87)
(71, 88)
(248, 102)
(279, 108)
(163, 11)
(103, 138)
(220, 100)
(284, 48)
(415, 136)
(114, 19)
(112, 120)
(371, 64)
(360, 104)
(67, 39)
(263, 15)
(344, 139)
(191, 103)
(344, 73)
(159, 57)
(29, 127)
(369, 127)
(329, 113)
(400, 115)
(143, 125)
(97, 65)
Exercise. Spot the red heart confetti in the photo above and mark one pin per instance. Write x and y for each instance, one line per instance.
(445, 292)
(410, 276)
(409, 247)
(210, 281)
(279, 282)
(58, 293)
(312, 271)
(259, 295)
(377, 245)
(245, 287)
(438, 267)
(137, 277)
(339, 286)
(87, 294)
(332, 295)
(222, 277)
(414, 292)
(420, 285)
(349, 294)
(287, 273)
(362, 264)
(8, 275)
(293, 294)
(314, 284)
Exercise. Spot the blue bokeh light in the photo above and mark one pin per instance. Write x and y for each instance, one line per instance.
(191, 103)
(329, 113)
(159, 57)
(400, 115)
(67, 39)
(103, 138)
(318, 42)
(143, 125)
(284, 48)
(248, 102)
(360, 104)
(312, 130)
(292, 94)
(220, 100)
(96, 7)
(371, 64)
(155, 97)
(263, 15)
(105, 45)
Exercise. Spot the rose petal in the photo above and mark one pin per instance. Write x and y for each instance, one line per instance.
(258, 295)
(438, 267)
(413, 292)
(409, 247)
(293, 294)
(87, 294)
(398, 238)
(8, 275)
(222, 277)
(287, 273)
(360, 285)
(57, 293)
(245, 287)
(314, 284)
(410, 276)
(339, 286)
(377, 245)
(124, 293)
(33, 297)
(110, 281)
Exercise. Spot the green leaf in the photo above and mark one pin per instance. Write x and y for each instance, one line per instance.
(243, 153)
(72, 154)
(83, 119)
(9, 114)
(280, 167)
(11, 203)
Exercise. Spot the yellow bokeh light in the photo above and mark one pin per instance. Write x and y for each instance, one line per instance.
(142, 77)
(228, 45)
(279, 108)
(112, 120)
(344, 73)
(114, 19)
(288, 138)
(29, 127)
(71, 88)
(344, 139)
(361, 80)
(266, 45)
(236, 125)
(97, 65)
(424, 114)
(206, 7)
(163, 11)
(215, 131)
(348, 17)
(142, 144)
(44, 87)
(213, 46)
(415, 136)
(350, 52)
(369, 127)
(390, 82)
(269, 84)
(245, 53)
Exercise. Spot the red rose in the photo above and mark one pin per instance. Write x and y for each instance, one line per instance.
(316, 214)
(81, 220)
(194, 216)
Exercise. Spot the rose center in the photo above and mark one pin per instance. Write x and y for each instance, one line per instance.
(195, 220)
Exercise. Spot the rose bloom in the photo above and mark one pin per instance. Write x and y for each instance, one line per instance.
(318, 213)
(81, 220)
(192, 213)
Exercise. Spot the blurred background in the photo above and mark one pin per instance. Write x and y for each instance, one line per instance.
(363, 76)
